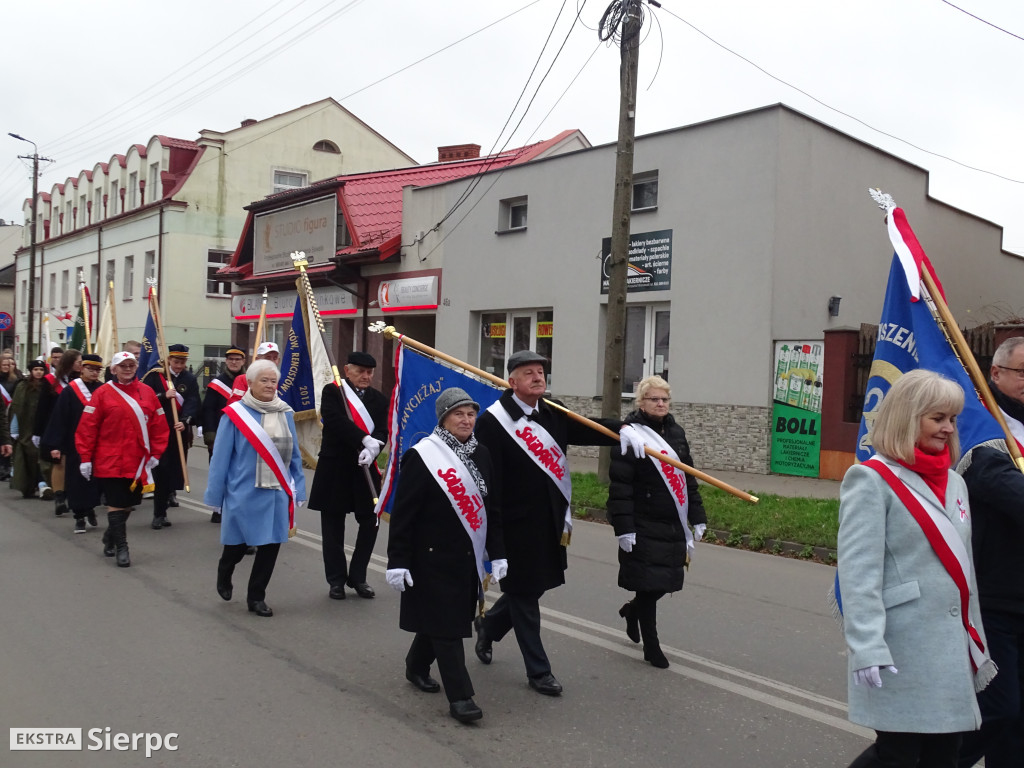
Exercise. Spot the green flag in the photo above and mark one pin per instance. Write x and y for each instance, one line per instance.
(78, 335)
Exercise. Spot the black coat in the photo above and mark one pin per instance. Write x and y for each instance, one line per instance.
(996, 489)
(427, 538)
(188, 413)
(214, 402)
(530, 505)
(339, 484)
(60, 436)
(640, 503)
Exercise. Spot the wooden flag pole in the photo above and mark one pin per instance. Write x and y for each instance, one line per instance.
(390, 332)
(113, 313)
(86, 311)
(300, 263)
(155, 309)
(261, 324)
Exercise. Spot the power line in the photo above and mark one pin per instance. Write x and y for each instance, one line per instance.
(983, 21)
(893, 136)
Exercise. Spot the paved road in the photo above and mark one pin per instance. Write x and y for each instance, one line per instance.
(757, 675)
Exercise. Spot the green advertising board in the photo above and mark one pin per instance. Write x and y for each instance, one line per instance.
(796, 409)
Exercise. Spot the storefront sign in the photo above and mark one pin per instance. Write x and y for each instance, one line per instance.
(796, 408)
(331, 301)
(408, 293)
(649, 266)
(309, 227)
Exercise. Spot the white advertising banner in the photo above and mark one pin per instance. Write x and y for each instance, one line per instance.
(408, 293)
(331, 300)
(309, 227)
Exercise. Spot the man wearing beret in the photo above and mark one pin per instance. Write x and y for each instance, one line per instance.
(527, 439)
(184, 389)
(218, 395)
(355, 417)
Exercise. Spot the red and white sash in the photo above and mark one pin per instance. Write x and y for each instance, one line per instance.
(58, 387)
(5, 396)
(220, 388)
(675, 479)
(949, 548)
(143, 473)
(462, 491)
(360, 415)
(1016, 429)
(542, 449)
(177, 395)
(81, 391)
(258, 438)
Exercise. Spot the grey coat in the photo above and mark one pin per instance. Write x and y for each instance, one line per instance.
(901, 607)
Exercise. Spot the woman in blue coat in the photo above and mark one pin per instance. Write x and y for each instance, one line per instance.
(251, 497)
(910, 605)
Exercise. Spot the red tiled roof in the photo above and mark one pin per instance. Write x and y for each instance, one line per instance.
(169, 141)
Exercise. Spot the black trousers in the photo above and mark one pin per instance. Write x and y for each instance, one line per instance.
(910, 750)
(520, 612)
(336, 568)
(451, 663)
(262, 566)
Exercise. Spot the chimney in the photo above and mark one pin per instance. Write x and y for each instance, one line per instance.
(458, 152)
(248, 121)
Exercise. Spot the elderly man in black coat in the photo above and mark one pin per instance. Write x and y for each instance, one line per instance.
(527, 439)
(355, 418)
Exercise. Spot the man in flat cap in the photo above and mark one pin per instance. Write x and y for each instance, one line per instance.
(355, 418)
(218, 395)
(527, 439)
(183, 388)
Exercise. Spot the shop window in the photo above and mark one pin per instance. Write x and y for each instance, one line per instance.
(646, 345)
(504, 333)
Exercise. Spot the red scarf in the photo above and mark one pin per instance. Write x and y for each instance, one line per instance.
(933, 469)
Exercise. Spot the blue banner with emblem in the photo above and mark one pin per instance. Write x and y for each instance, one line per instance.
(149, 355)
(418, 381)
(909, 338)
(296, 385)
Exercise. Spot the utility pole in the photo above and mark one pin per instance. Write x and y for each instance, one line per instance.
(623, 18)
(34, 157)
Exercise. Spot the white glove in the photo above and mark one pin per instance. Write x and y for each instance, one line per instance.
(698, 531)
(199, 431)
(215, 510)
(299, 504)
(398, 578)
(372, 445)
(14, 435)
(365, 457)
(869, 676)
(151, 462)
(35, 440)
(86, 469)
(499, 570)
(626, 542)
(630, 438)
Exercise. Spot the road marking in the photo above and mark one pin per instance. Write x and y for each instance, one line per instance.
(591, 632)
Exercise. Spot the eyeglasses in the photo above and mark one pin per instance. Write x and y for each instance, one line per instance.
(1018, 371)
(658, 399)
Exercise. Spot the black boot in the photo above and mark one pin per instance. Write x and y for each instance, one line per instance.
(120, 536)
(224, 571)
(632, 625)
(79, 522)
(109, 549)
(60, 503)
(652, 648)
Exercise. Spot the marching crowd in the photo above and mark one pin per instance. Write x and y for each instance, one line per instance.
(930, 577)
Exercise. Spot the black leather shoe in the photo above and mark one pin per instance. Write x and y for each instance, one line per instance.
(425, 683)
(337, 592)
(215, 517)
(166, 522)
(632, 623)
(250, 550)
(224, 583)
(364, 590)
(465, 710)
(546, 684)
(654, 655)
(483, 643)
(158, 523)
(173, 501)
(260, 608)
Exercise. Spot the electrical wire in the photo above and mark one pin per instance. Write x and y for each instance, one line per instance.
(983, 21)
(893, 136)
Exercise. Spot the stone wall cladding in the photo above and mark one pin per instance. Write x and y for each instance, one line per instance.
(732, 437)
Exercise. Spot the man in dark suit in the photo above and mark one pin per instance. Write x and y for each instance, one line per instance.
(218, 395)
(527, 439)
(168, 474)
(355, 418)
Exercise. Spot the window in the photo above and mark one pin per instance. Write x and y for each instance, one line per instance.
(646, 344)
(645, 191)
(503, 333)
(154, 182)
(108, 276)
(94, 283)
(69, 221)
(97, 205)
(276, 333)
(326, 146)
(215, 285)
(113, 202)
(133, 189)
(285, 180)
(53, 291)
(128, 283)
(65, 288)
(83, 213)
(342, 237)
(24, 296)
(512, 214)
(149, 266)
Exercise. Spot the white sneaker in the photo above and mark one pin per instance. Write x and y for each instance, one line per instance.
(45, 491)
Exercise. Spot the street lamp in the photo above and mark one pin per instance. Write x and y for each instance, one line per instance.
(32, 252)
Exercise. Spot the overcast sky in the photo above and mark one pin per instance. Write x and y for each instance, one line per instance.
(84, 80)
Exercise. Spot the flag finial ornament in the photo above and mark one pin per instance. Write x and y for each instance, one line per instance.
(884, 199)
(378, 327)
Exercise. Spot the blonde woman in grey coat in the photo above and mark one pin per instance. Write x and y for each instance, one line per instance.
(915, 664)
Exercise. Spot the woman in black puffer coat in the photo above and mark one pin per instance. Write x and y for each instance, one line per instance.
(653, 544)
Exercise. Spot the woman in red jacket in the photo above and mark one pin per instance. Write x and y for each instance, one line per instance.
(120, 438)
